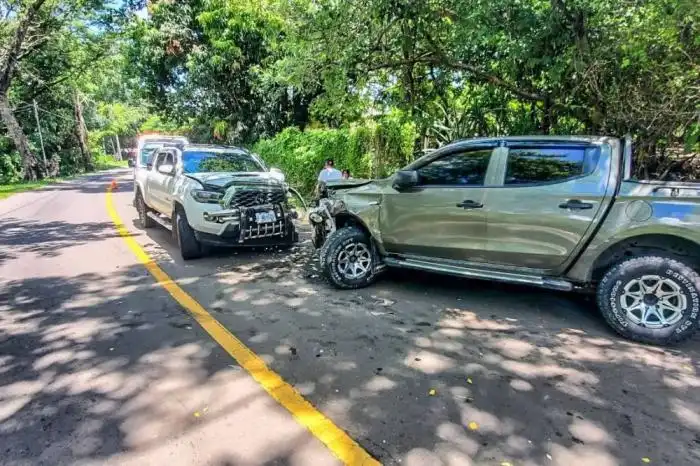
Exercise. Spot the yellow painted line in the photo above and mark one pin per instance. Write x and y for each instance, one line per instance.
(340, 443)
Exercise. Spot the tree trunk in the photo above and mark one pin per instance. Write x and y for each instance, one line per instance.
(118, 156)
(81, 133)
(32, 169)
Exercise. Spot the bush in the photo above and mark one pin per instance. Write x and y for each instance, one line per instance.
(370, 150)
(10, 167)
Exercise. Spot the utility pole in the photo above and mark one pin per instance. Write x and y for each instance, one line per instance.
(38, 128)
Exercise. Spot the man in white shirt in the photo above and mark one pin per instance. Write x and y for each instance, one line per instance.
(329, 172)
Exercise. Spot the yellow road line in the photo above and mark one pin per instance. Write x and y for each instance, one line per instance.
(340, 443)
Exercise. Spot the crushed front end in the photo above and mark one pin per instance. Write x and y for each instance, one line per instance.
(252, 215)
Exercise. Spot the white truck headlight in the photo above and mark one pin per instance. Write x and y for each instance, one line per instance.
(206, 197)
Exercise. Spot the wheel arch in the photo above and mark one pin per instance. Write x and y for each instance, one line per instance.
(346, 219)
(660, 244)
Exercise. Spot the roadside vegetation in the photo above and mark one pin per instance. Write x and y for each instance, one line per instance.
(372, 84)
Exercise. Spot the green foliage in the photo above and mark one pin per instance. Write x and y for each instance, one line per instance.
(105, 161)
(373, 149)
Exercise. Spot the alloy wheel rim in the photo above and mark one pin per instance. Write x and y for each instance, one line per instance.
(653, 301)
(354, 261)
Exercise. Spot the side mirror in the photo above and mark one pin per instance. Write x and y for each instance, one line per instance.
(166, 169)
(405, 179)
(277, 173)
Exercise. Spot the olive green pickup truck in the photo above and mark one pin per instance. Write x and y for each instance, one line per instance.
(555, 212)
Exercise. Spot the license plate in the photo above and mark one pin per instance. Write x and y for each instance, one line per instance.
(265, 217)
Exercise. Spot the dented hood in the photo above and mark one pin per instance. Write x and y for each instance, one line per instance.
(346, 184)
(221, 180)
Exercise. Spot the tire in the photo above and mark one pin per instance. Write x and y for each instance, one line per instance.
(651, 299)
(345, 252)
(142, 209)
(190, 248)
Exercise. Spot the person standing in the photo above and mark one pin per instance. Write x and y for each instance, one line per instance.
(329, 172)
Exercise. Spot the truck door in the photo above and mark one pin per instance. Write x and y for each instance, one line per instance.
(443, 216)
(160, 184)
(550, 197)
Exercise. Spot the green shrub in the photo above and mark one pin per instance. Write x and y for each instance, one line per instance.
(10, 167)
(373, 149)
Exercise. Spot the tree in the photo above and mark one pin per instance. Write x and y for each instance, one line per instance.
(203, 61)
(46, 46)
(24, 38)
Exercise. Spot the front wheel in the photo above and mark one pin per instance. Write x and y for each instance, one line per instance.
(348, 260)
(651, 299)
(142, 208)
(190, 248)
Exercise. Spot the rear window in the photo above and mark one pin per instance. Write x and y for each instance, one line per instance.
(535, 165)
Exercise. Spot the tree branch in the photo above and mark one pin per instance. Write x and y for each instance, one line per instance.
(429, 59)
(8, 66)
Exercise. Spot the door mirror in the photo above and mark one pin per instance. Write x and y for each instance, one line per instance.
(405, 179)
(166, 169)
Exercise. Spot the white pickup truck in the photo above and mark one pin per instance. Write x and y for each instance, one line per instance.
(214, 195)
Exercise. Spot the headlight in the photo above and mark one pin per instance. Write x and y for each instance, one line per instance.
(207, 197)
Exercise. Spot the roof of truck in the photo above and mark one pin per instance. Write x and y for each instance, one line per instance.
(534, 138)
(214, 147)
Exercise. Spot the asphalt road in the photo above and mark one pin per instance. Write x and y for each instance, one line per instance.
(98, 364)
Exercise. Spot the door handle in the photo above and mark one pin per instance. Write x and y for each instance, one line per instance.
(469, 204)
(575, 204)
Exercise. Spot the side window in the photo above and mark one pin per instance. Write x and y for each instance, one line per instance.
(164, 158)
(457, 169)
(549, 164)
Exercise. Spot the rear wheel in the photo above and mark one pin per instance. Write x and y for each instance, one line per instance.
(651, 299)
(348, 260)
(142, 208)
(190, 248)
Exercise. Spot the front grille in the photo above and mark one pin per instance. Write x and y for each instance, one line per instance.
(264, 230)
(249, 197)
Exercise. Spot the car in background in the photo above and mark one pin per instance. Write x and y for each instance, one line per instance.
(214, 195)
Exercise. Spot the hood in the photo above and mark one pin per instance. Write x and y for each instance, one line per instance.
(336, 185)
(219, 181)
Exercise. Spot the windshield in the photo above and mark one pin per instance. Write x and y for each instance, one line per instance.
(206, 161)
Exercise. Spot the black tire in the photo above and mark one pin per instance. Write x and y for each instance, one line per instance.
(142, 208)
(680, 280)
(335, 244)
(190, 248)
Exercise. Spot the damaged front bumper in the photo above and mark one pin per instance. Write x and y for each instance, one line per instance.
(322, 219)
(262, 225)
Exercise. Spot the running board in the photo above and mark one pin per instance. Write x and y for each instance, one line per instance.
(469, 272)
(165, 223)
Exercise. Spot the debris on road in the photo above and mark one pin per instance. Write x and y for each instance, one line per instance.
(473, 426)
(432, 392)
